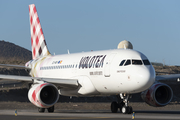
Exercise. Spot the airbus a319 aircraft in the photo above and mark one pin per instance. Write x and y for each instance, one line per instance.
(119, 72)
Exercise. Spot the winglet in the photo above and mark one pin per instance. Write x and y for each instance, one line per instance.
(38, 43)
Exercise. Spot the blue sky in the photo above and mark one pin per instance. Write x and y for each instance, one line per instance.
(153, 27)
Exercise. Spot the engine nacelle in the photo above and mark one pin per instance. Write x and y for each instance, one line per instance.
(159, 94)
(43, 95)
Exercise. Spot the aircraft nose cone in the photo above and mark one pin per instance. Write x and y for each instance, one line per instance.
(146, 77)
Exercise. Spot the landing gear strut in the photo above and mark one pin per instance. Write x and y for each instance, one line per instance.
(122, 104)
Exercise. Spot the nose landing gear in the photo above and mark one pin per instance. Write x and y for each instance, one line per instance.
(122, 104)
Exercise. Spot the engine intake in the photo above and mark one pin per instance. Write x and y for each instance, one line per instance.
(159, 94)
(43, 95)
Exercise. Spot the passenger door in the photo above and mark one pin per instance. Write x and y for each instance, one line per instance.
(107, 72)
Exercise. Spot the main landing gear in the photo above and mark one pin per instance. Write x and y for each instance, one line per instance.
(122, 104)
(50, 110)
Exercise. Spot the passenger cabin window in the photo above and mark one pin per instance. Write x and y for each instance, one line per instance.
(137, 62)
(128, 62)
(122, 62)
(146, 62)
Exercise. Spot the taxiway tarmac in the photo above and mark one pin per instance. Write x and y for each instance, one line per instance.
(90, 111)
(25, 114)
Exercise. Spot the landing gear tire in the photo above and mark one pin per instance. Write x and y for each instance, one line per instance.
(41, 110)
(130, 110)
(126, 110)
(114, 107)
(121, 104)
(51, 109)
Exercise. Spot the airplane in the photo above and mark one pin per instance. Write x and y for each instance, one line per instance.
(120, 72)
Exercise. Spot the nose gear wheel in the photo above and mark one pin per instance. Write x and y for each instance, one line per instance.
(122, 104)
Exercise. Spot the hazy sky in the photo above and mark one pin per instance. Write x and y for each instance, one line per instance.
(153, 27)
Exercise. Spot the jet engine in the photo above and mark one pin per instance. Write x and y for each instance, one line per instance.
(159, 94)
(43, 95)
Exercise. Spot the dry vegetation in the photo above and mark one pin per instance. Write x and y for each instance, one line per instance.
(163, 70)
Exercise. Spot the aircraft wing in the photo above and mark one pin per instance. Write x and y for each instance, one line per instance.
(14, 66)
(168, 77)
(60, 83)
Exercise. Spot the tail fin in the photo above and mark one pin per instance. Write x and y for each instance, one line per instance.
(38, 43)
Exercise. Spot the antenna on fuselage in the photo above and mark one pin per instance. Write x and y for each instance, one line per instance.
(68, 52)
(124, 46)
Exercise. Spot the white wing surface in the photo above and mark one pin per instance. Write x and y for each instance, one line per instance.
(61, 83)
(14, 66)
(168, 77)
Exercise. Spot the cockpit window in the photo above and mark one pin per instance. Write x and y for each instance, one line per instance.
(128, 62)
(137, 62)
(122, 62)
(134, 62)
(146, 62)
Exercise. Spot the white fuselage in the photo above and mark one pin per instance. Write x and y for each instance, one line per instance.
(98, 73)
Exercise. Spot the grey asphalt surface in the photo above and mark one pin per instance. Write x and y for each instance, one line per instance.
(90, 111)
(90, 115)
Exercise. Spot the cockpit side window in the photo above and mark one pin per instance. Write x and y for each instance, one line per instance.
(146, 62)
(122, 62)
(137, 62)
(128, 62)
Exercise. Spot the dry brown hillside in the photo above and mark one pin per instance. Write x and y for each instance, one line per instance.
(13, 54)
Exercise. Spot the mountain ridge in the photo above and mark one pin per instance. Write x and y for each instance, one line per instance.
(11, 53)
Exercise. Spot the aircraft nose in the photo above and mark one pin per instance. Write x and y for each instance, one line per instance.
(145, 77)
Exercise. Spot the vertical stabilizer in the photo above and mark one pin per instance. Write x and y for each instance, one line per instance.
(38, 43)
